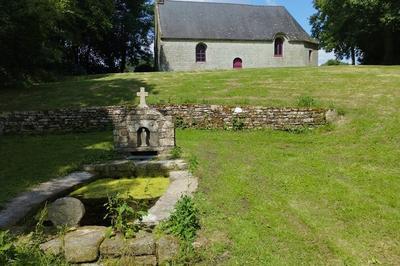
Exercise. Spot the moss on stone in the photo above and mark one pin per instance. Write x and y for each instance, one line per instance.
(138, 188)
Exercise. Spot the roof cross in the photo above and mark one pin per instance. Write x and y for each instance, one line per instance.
(142, 94)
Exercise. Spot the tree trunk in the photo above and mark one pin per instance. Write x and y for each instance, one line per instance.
(353, 56)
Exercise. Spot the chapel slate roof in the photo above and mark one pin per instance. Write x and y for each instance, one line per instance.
(221, 21)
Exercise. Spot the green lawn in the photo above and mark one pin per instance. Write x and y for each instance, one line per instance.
(328, 196)
(270, 87)
(29, 160)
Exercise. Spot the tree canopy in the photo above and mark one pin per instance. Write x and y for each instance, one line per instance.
(369, 29)
(43, 38)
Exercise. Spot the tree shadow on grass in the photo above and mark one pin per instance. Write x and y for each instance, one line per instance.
(29, 160)
(98, 90)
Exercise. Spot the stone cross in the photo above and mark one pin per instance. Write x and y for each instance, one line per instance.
(142, 94)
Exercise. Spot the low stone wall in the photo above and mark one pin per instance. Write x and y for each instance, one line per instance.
(187, 116)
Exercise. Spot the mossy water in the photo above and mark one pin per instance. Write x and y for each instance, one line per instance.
(140, 193)
(137, 188)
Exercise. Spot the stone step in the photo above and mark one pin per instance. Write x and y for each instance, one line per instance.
(141, 157)
(129, 168)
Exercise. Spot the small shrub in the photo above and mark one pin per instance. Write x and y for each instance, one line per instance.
(237, 123)
(334, 62)
(307, 102)
(176, 153)
(184, 221)
(340, 111)
(123, 217)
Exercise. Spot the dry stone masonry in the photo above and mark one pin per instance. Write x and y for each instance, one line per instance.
(189, 116)
(143, 130)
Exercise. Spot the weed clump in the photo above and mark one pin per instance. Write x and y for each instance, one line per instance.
(124, 218)
(307, 102)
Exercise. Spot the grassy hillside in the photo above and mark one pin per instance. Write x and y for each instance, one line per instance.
(271, 87)
(327, 196)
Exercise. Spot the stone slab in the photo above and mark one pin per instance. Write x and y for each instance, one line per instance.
(22, 205)
(182, 183)
(167, 249)
(83, 244)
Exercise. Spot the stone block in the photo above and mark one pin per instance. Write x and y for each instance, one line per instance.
(142, 244)
(145, 261)
(113, 247)
(83, 244)
(167, 249)
(52, 247)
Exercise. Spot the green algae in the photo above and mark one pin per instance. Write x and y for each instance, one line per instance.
(137, 188)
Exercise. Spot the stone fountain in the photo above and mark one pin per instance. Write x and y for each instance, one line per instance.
(144, 131)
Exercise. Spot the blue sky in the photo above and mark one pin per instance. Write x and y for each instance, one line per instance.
(300, 9)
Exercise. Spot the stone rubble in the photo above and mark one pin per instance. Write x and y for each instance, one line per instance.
(89, 245)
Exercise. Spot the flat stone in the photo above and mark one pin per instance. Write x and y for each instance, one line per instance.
(142, 244)
(145, 261)
(22, 205)
(182, 183)
(118, 168)
(52, 247)
(113, 247)
(83, 244)
(167, 249)
(149, 260)
(66, 211)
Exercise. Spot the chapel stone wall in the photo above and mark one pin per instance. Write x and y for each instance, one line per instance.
(179, 55)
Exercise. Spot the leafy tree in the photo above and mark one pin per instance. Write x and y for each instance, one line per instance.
(365, 28)
(27, 43)
(131, 35)
(43, 38)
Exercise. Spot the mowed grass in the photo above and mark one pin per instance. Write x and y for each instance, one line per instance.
(276, 198)
(26, 161)
(328, 196)
(270, 87)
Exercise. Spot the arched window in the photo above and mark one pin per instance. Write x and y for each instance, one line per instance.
(278, 47)
(201, 49)
(237, 63)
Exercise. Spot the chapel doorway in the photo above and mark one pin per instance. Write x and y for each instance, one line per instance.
(237, 63)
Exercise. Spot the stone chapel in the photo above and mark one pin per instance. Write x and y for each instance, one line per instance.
(205, 36)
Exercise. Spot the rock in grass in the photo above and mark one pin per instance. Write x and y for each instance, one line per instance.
(167, 249)
(66, 211)
(83, 244)
(52, 247)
